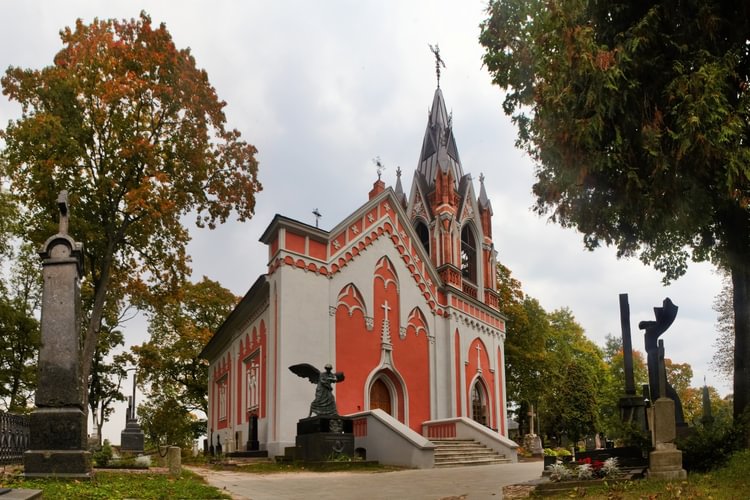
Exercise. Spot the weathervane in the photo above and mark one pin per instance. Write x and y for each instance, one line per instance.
(378, 164)
(438, 61)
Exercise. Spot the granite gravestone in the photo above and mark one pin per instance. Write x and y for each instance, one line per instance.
(665, 460)
(131, 438)
(57, 447)
(632, 405)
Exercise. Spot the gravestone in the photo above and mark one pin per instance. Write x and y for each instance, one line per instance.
(58, 437)
(665, 461)
(707, 419)
(131, 438)
(632, 406)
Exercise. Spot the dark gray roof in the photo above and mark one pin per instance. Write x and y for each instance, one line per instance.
(439, 145)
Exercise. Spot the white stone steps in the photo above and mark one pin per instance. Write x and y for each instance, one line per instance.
(463, 452)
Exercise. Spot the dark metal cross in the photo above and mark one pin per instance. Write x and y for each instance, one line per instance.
(62, 204)
(438, 61)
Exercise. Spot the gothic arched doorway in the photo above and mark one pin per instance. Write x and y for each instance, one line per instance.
(479, 403)
(380, 396)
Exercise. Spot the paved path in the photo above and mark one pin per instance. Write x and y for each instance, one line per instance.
(471, 483)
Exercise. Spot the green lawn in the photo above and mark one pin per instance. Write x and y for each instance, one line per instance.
(118, 485)
(729, 482)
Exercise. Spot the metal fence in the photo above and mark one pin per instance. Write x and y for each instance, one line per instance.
(14, 437)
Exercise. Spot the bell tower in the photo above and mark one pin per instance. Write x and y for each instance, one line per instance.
(453, 224)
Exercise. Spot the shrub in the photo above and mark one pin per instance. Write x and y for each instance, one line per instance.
(103, 456)
(710, 446)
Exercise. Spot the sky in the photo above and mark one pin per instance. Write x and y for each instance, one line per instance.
(321, 89)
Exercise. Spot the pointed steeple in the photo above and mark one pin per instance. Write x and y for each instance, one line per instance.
(439, 151)
(485, 211)
(400, 196)
(483, 201)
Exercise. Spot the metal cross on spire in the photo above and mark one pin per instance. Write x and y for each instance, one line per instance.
(438, 61)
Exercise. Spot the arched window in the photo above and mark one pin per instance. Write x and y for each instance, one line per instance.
(468, 254)
(424, 235)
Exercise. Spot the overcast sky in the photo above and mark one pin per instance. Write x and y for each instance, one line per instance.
(321, 88)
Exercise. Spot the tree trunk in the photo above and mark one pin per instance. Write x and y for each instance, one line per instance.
(741, 290)
(101, 286)
(738, 246)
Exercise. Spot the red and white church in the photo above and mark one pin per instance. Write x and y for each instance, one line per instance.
(400, 296)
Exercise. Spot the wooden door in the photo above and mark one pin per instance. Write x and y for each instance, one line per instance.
(380, 396)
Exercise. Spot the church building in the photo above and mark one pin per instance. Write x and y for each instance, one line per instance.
(400, 296)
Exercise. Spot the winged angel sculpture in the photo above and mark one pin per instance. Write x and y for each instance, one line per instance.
(324, 403)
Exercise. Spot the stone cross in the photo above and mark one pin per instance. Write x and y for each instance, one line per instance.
(627, 345)
(58, 424)
(479, 358)
(531, 419)
(62, 203)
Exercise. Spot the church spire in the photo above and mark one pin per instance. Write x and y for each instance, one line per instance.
(439, 151)
(400, 196)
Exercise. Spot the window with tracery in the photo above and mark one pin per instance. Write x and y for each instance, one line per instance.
(468, 254)
(423, 234)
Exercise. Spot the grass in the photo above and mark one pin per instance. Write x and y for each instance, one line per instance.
(118, 485)
(731, 482)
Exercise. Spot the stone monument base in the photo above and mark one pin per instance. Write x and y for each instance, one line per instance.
(131, 438)
(73, 464)
(321, 438)
(665, 462)
(57, 444)
(533, 443)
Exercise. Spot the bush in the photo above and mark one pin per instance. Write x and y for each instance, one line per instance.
(709, 447)
(103, 456)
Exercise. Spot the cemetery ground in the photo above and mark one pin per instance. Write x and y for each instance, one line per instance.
(731, 481)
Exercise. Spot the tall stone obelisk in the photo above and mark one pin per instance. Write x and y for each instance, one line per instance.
(57, 446)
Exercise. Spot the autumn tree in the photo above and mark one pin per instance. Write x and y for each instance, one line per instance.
(107, 374)
(614, 387)
(723, 359)
(571, 400)
(527, 326)
(636, 117)
(179, 329)
(20, 335)
(132, 128)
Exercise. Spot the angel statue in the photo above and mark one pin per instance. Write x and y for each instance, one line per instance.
(324, 403)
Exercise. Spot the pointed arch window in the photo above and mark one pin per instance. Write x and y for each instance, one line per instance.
(423, 234)
(468, 254)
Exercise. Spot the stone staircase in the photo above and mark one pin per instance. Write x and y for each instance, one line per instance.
(462, 452)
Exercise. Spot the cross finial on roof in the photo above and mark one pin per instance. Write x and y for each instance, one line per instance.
(398, 171)
(481, 178)
(317, 215)
(438, 61)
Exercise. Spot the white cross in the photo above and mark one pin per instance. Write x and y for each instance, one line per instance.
(386, 308)
(479, 359)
